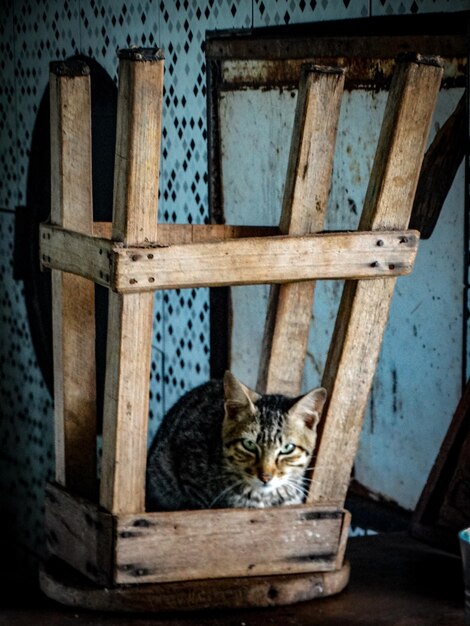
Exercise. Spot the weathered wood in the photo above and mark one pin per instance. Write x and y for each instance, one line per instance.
(343, 540)
(234, 261)
(138, 139)
(440, 166)
(79, 533)
(186, 545)
(73, 311)
(130, 318)
(364, 306)
(193, 595)
(303, 211)
(172, 234)
(76, 253)
(265, 260)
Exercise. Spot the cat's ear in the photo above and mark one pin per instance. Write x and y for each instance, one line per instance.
(310, 407)
(239, 399)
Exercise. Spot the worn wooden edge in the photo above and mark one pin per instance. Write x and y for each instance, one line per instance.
(343, 539)
(167, 546)
(170, 234)
(73, 299)
(77, 253)
(66, 587)
(79, 533)
(147, 547)
(248, 260)
(304, 206)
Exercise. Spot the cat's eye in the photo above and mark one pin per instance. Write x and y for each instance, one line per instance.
(249, 445)
(287, 448)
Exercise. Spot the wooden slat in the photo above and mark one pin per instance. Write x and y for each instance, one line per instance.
(73, 311)
(79, 533)
(186, 545)
(266, 260)
(364, 307)
(234, 261)
(171, 234)
(130, 318)
(192, 595)
(303, 211)
(76, 253)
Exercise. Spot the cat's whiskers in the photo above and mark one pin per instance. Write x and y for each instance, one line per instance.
(231, 487)
(298, 488)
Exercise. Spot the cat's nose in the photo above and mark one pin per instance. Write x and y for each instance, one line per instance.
(265, 478)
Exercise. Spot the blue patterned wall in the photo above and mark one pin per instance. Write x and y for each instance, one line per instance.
(34, 32)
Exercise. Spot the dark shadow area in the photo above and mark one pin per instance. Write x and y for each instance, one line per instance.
(37, 284)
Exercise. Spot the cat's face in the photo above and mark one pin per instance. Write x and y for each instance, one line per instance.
(269, 440)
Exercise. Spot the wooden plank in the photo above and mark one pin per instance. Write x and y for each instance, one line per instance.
(136, 176)
(193, 595)
(364, 307)
(265, 260)
(233, 261)
(187, 545)
(76, 253)
(79, 533)
(303, 211)
(73, 311)
(172, 234)
(343, 540)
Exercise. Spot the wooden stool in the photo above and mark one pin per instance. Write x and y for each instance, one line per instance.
(231, 557)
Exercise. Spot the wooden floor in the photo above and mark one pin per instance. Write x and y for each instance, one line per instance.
(395, 580)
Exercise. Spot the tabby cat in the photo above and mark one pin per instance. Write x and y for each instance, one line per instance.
(224, 445)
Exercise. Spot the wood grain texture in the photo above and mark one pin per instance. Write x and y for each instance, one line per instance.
(186, 545)
(137, 157)
(72, 296)
(364, 306)
(172, 234)
(76, 253)
(136, 177)
(126, 402)
(266, 260)
(193, 595)
(79, 533)
(303, 211)
(224, 259)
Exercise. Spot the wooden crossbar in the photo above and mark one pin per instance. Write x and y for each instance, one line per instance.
(238, 261)
(191, 545)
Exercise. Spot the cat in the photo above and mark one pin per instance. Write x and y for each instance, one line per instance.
(224, 445)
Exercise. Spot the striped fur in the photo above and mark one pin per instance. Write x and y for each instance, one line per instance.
(224, 445)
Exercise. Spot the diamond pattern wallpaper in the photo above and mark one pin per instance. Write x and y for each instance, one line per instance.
(35, 32)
